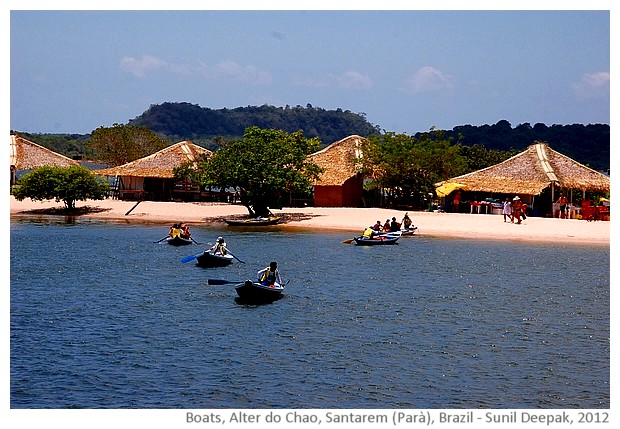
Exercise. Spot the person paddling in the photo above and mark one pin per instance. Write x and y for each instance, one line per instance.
(270, 275)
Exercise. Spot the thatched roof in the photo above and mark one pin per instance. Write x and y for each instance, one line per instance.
(533, 170)
(160, 164)
(26, 155)
(338, 160)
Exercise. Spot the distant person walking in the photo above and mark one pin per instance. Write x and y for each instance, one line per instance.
(562, 201)
(507, 210)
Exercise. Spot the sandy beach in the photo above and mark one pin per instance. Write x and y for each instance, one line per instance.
(351, 221)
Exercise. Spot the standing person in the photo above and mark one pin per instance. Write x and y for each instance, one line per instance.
(562, 201)
(406, 222)
(456, 202)
(507, 210)
(517, 210)
(269, 275)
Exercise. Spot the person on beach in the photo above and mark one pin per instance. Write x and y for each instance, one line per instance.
(562, 201)
(517, 210)
(507, 210)
(219, 248)
(456, 202)
(406, 222)
(270, 275)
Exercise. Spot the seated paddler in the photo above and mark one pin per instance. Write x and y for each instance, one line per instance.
(269, 275)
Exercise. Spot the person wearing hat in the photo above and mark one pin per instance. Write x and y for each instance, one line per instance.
(269, 275)
(219, 248)
(517, 209)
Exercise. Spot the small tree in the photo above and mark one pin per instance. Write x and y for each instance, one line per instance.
(66, 184)
(123, 143)
(264, 165)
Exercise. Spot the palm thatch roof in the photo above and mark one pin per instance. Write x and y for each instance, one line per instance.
(338, 161)
(26, 155)
(533, 170)
(160, 164)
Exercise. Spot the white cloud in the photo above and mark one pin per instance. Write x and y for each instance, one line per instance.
(428, 79)
(592, 85)
(234, 72)
(141, 66)
(347, 80)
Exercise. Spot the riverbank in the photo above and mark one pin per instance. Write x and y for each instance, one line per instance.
(351, 221)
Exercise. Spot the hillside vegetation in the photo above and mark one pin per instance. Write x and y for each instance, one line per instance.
(587, 144)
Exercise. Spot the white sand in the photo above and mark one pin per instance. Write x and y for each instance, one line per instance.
(351, 221)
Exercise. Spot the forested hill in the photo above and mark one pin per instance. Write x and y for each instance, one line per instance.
(185, 121)
(587, 144)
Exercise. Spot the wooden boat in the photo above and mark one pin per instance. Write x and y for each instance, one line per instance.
(257, 293)
(409, 231)
(257, 221)
(384, 239)
(179, 241)
(207, 259)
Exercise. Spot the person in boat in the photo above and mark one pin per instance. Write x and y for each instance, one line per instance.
(394, 226)
(370, 232)
(175, 231)
(270, 275)
(184, 230)
(219, 248)
(377, 226)
(386, 226)
(406, 222)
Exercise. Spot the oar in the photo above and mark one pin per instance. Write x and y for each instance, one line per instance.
(194, 240)
(190, 258)
(236, 257)
(222, 281)
(348, 241)
(159, 241)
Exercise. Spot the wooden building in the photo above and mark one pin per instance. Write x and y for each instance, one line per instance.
(152, 177)
(26, 155)
(341, 184)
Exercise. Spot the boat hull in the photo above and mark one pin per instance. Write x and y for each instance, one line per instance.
(377, 241)
(253, 222)
(256, 293)
(209, 260)
(178, 241)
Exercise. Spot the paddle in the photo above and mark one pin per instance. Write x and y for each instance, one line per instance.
(159, 241)
(222, 281)
(190, 258)
(194, 241)
(236, 257)
(348, 241)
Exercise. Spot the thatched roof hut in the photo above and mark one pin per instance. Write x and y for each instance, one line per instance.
(26, 155)
(340, 185)
(160, 164)
(532, 171)
(151, 177)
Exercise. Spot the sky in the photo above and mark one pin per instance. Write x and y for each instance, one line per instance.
(72, 71)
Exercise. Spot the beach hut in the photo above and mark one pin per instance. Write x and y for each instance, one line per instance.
(26, 155)
(152, 177)
(341, 183)
(531, 172)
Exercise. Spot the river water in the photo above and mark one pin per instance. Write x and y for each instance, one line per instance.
(104, 317)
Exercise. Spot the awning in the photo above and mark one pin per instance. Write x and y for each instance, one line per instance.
(449, 187)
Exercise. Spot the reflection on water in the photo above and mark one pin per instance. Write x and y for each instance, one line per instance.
(102, 317)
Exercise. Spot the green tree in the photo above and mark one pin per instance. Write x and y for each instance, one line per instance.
(67, 184)
(406, 168)
(121, 144)
(263, 166)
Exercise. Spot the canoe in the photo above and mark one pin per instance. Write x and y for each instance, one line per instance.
(377, 241)
(179, 241)
(409, 231)
(258, 221)
(207, 259)
(257, 293)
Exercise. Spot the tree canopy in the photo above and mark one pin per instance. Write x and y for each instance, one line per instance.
(121, 144)
(263, 166)
(67, 184)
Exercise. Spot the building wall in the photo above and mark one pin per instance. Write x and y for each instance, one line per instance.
(347, 195)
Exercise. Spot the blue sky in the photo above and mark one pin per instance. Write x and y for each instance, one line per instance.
(406, 70)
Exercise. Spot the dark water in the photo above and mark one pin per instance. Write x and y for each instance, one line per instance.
(102, 317)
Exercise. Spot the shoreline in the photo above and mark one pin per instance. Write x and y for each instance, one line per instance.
(349, 221)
